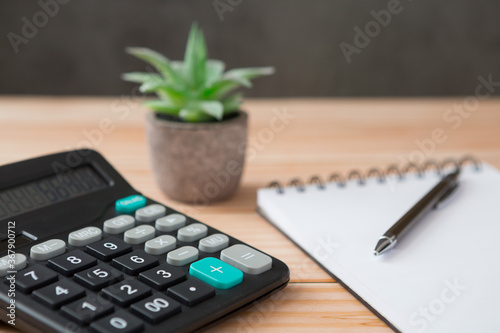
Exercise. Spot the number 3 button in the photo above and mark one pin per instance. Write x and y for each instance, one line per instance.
(72, 262)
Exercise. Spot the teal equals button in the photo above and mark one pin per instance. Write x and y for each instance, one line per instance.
(130, 204)
(216, 273)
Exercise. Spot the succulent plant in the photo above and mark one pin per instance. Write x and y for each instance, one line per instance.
(196, 89)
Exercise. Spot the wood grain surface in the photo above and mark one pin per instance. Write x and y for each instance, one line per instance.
(288, 138)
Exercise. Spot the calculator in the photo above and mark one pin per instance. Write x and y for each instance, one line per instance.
(83, 251)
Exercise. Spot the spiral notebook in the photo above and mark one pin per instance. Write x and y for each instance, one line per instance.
(444, 276)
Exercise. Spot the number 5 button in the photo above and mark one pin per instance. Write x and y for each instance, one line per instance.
(216, 273)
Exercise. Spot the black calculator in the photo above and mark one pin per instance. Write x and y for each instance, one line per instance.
(82, 251)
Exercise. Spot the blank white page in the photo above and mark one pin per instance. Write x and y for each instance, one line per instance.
(443, 276)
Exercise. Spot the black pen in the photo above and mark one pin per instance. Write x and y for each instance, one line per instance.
(431, 200)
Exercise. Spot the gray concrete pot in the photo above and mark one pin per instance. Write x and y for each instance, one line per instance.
(197, 163)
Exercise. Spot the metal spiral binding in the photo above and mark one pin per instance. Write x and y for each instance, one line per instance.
(380, 174)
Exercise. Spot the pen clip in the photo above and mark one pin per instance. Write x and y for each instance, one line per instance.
(446, 197)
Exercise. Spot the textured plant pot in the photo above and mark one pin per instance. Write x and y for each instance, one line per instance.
(197, 163)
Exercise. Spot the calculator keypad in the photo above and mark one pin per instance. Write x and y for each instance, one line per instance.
(135, 262)
(126, 292)
(162, 277)
(108, 248)
(58, 293)
(122, 267)
(98, 277)
(71, 262)
(87, 309)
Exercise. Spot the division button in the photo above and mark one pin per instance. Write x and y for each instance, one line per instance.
(130, 204)
(213, 243)
(170, 222)
(118, 224)
(160, 245)
(150, 213)
(247, 259)
(15, 263)
(48, 249)
(118, 322)
(84, 236)
(192, 232)
(139, 234)
(182, 256)
(191, 292)
(216, 273)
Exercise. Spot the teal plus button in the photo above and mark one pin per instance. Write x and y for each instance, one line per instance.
(130, 204)
(216, 273)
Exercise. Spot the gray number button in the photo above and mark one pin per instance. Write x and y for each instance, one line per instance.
(84, 236)
(247, 259)
(150, 213)
(118, 224)
(139, 234)
(192, 232)
(16, 263)
(160, 245)
(182, 256)
(170, 222)
(213, 243)
(48, 249)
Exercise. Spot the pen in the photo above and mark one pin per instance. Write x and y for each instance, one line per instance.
(431, 200)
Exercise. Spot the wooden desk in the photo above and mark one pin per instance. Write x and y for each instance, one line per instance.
(325, 135)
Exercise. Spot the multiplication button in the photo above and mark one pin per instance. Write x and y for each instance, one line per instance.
(160, 245)
(247, 259)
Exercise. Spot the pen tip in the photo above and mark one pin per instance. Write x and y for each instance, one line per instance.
(376, 253)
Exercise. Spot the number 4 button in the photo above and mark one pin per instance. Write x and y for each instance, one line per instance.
(59, 293)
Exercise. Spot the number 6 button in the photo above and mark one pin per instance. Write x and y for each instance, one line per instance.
(135, 262)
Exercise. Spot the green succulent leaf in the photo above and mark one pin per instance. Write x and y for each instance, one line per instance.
(212, 108)
(139, 77)
(194, 116)
(157, 60)
(246, 74)
(232, 103)
(214, 71)
(195, 57)
(195, 89)
(162, 106)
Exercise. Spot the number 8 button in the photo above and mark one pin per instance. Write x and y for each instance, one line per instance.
(72, 262)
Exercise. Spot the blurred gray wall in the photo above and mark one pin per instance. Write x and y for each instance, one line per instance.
(427, 48)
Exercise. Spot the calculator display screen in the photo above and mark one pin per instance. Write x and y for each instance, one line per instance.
(49, 190)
